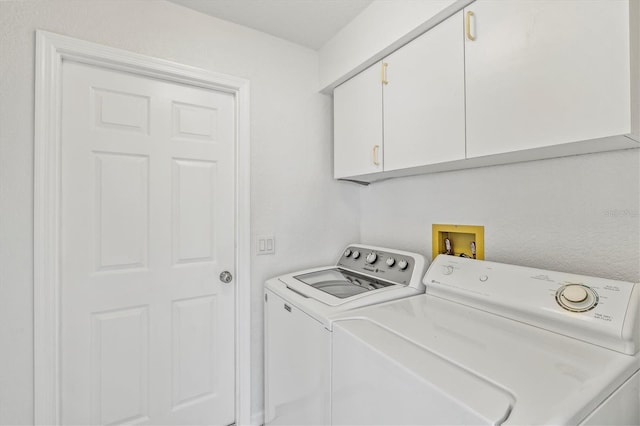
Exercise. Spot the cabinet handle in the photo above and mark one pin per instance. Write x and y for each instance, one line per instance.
(375, 155)
(383, 72)
(468, 25)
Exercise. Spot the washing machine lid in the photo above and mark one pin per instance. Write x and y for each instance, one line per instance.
(550, 378)
(373, 368)
(363, 275)
(341, 283)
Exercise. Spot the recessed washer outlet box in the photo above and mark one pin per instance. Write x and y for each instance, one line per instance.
(460, 239)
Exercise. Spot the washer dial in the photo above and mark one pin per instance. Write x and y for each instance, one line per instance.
(391, 261)
(371, 258)
(577, 297)
(403, 264)
(356, 254)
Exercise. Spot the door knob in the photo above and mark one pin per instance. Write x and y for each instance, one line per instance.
(226, 277)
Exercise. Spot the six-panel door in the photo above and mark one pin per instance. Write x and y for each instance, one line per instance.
(147, 328)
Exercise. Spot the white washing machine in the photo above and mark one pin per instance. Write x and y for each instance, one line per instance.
(491, 343)
(298, 312)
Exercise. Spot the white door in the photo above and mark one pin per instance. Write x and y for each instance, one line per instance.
(147, 327)
(543, 73)
(424, 99)
(357, 123)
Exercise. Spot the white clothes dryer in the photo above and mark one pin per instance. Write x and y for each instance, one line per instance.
(491, 343)
(298, 312)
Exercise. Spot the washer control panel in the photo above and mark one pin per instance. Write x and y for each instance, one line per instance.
(597, 310)
(577, 297)
(390, 265)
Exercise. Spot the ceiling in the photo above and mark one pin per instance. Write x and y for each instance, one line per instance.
(310, 23)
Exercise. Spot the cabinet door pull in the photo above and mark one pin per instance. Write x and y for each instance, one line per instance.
(375, 155)
(383, 73)
(468, 25)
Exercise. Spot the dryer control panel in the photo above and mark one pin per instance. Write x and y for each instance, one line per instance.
(597, 310)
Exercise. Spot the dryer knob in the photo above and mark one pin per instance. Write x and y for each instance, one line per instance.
(372, 257)
(391, 261)
(347, 253)
(403, 264)
(356, 254)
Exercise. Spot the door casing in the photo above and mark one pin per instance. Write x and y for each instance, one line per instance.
(51, 50)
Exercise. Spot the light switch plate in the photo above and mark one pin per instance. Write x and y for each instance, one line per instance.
(265, 244)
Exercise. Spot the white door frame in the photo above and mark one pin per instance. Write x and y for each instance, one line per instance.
(51, 50)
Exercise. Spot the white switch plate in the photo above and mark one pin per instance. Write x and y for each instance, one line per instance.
(265, 244)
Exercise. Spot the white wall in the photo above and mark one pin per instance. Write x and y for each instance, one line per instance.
(577, 214)
(292, 195)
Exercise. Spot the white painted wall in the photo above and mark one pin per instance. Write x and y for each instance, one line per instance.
(381, 25)
(293, 195)
(577, 214)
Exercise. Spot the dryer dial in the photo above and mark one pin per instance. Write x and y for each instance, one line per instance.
(391, 261)
(356, 254)
(577, 297)
(372, 257)
(403, 264)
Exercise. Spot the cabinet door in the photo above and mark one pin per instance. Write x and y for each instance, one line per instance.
(357, 109)
(424, 99)
(543, 73)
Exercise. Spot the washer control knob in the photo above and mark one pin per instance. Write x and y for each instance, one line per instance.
(347, 253)
(577, 297)
(356, 254)
(391, 261)
(372, 257)
(403, 264)
(575, 293)
(447, 270)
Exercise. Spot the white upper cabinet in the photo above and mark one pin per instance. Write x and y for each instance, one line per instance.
(414, 97)
(357, 108)
(424, 99)
(500, 81)
(545, 72)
